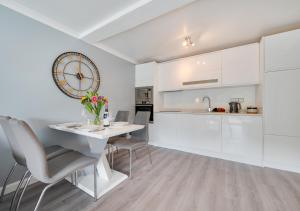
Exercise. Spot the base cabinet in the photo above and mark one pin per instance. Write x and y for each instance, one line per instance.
(200, 132)
(165, 130)
(237, 138)
(282, 152)
(242, 138)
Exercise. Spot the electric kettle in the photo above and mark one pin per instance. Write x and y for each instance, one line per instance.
(234, 107)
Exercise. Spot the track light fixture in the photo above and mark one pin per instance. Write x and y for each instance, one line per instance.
(188, 42)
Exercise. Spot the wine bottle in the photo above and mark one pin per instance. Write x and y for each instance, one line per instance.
(106, 116)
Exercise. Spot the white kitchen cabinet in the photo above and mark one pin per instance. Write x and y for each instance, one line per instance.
(281, 103)
(187, 132)
(194, 72)
(201, 71)
(200, 132)
(242, 138)
(165, 130)
(145, 74)
(232, 137)
(169, 76)
(282, 51)
(240, 65)
(282, 152)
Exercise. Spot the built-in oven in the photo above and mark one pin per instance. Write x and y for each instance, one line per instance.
(144, 100)
(145, 107)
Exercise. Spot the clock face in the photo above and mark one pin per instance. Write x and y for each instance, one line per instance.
(75, 74)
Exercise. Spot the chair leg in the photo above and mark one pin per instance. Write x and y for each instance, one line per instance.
(6, 180)
(112, 159)
(22, 193)
(130, 160)
(108, 152)
(72, 178)
(149, 152)
(43, 193)
(135, 154)
(76, 178)
(17, 190)
(95, 183)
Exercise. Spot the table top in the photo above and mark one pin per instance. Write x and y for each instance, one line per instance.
(96, 132)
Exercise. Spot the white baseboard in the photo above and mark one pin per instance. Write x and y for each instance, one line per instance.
(235, 158)
(13, 186)
(282, 166)
(220, 155)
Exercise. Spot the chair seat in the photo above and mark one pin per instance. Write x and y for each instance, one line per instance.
(124, 143)
(54, 151)
(61, 166)
(113, 139)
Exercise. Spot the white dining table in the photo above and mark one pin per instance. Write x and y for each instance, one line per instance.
(97, 140)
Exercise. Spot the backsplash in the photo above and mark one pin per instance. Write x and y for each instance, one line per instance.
(220, 97)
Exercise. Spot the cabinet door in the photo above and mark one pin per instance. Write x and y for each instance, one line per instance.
(281, 103)
(200, 132)
(240, 65)
(282, 51)
(169, 76)
(165, 130)
(201, 71)
(243, 136)
(191, 73)
(144, 74)
(282, 152)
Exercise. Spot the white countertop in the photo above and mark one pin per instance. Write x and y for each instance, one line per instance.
(204, 112)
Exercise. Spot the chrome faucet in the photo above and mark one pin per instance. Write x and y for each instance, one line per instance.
(209, 102)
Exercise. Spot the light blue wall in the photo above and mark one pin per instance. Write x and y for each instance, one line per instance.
(27, 51)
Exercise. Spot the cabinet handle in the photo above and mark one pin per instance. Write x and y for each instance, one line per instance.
(200, 82)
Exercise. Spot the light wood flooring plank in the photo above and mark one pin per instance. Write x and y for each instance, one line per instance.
(178, 181)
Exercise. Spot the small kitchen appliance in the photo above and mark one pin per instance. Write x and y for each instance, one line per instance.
(234, 107)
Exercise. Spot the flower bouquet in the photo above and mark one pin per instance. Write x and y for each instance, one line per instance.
(93, 103)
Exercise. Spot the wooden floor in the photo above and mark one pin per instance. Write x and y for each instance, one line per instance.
(180, 181)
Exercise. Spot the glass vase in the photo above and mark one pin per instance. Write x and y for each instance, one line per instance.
(97, 120)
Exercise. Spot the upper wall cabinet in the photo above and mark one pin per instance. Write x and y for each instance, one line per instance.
(194, 72)
(231, 67)
(145, 74)
(282, 51)
(240, 65)
(169, 76)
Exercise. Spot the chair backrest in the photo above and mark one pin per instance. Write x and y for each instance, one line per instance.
(122, 116)
(32, 148)
(13, 144)
(141, 118)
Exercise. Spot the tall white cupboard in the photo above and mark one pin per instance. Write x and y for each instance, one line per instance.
(282, 101)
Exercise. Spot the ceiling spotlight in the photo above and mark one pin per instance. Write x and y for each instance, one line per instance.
(188, 42)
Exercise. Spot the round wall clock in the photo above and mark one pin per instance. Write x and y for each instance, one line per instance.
(75, 74)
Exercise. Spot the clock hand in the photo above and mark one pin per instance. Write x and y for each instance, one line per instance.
(79, 70)
(76, 75)
(70, 74)
(87, 77)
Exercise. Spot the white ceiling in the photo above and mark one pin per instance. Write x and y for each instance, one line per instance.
(77, 14)
(147, 30)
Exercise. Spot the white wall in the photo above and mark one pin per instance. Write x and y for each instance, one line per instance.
(220, 97)
(27, 52)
